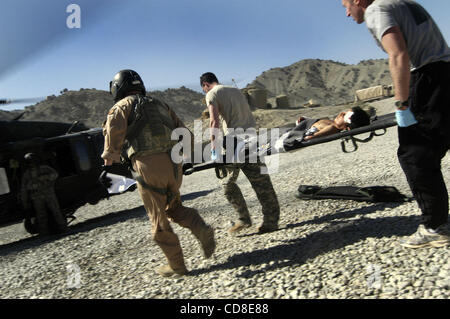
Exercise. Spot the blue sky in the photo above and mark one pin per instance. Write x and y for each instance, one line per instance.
(172, 42)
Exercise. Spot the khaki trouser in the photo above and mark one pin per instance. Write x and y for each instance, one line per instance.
(158, 171)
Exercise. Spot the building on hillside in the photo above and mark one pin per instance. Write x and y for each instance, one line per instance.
(374, 93)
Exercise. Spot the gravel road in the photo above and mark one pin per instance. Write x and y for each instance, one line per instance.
(324, 248)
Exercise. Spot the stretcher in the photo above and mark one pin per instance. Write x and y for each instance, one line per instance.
(377, 127)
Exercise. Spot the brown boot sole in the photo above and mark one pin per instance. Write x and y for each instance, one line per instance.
(166, 271)
(238, 227)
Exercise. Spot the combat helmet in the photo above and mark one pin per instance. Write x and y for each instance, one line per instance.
(124, 82)
(31, 158)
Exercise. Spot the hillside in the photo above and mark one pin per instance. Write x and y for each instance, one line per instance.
(324, 81)
(90, 106)
(327, 82)
(5, 115)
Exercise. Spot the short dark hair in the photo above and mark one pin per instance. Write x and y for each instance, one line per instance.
(208, 77)
(359, 118)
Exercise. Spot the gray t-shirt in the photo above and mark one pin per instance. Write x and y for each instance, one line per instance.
(423, 38)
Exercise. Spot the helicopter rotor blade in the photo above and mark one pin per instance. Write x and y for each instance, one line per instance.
(45, 26)
(26, 100)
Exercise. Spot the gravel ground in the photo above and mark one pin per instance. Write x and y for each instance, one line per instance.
(324, 249)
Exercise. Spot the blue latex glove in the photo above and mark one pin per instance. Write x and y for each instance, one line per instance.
(213, 155)
(405, 118)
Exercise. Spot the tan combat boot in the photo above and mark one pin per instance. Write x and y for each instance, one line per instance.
(167, 271)
(238, 226)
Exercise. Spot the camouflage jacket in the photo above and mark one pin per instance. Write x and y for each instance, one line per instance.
(38, 182)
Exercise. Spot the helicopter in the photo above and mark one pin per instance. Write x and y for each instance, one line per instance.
(72, 149)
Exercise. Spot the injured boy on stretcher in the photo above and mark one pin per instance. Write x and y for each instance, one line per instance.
(346, 120)
(305, 129)
(308, 128)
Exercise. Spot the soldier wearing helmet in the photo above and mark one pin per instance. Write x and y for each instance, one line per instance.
(38, 186)
(139, 127)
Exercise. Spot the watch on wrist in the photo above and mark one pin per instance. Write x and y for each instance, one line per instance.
(401, 105)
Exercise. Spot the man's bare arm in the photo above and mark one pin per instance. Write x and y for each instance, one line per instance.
(399, 62)
(327, 130)
(213, 122)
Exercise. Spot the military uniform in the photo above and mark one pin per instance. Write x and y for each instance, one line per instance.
(235, 113)
(159, 178)
(262, 185)
(38, 185)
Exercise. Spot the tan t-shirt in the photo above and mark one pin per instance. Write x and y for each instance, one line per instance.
(233, 108)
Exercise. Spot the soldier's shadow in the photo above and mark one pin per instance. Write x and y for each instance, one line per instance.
(87, 225)
(336, 235)
(195, 195)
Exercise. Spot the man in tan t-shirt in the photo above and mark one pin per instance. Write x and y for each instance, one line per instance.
(231, 105)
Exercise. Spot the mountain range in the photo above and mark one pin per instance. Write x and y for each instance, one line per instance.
(324, 81)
